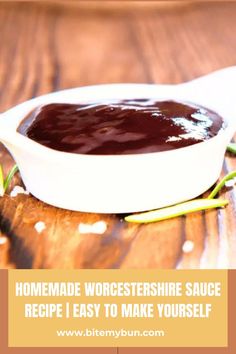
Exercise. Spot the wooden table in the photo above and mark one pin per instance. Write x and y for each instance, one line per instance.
(46, 47)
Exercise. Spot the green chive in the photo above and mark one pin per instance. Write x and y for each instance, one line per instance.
(221, 184)
(176, 210)
(1, 181)
(232, 148)
(9, 177)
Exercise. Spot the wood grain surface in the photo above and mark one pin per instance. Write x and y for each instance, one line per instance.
(46, 47)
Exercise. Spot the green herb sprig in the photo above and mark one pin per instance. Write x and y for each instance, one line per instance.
(221, 184)
(231, 148)
(5, 182)
(176, 210)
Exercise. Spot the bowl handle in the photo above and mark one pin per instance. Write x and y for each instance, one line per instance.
(216, 90)
(220, 80)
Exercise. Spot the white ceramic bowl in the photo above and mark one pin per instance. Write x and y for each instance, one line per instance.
(124, 183)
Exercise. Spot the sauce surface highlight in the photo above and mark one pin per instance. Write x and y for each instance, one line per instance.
(120, 126)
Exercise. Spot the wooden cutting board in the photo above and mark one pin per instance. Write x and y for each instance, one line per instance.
(49, 47)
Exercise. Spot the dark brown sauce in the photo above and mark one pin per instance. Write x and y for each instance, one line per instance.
(120, 126)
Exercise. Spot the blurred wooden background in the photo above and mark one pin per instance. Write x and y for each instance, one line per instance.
(50, 46)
